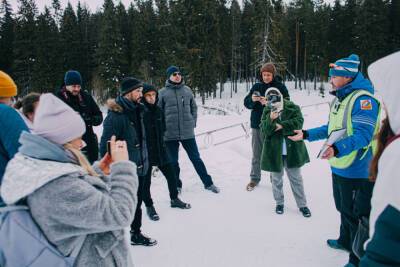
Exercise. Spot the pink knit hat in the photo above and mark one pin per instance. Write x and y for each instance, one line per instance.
(56, 121)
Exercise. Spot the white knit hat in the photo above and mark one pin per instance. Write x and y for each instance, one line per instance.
(56, 121)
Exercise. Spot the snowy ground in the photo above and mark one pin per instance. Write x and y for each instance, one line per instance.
(236, 227)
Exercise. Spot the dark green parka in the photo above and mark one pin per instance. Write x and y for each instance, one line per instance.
(291, 119)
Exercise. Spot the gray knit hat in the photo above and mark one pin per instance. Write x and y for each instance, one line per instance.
(56, 121)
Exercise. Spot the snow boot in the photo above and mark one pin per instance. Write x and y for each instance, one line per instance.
(334, 243)
(279, 209)
(152, 213)
(305, 211)
(250, 186)
(139, 239)
(213, 189)
(177, 203)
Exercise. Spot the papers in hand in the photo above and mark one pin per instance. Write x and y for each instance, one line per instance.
(332, 138)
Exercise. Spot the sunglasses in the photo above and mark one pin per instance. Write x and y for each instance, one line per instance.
(176, 74)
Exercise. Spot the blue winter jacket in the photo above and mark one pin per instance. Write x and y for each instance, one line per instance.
(11, 127)
(363, 121)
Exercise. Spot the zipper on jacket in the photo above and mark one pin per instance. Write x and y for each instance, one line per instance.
(179, 117)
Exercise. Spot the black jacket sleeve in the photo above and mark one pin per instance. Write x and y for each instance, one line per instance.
(248, 102)
(384, 247)
(111, 126)
(96, 116)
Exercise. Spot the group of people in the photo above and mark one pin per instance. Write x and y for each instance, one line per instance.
(355, 157)
(53, 180)
(59, 184)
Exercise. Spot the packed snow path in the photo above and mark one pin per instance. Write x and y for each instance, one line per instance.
(240, 228)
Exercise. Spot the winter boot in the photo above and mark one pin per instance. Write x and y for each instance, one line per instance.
(306, 212)
(334, 243)
(152, 213)
(177, 203)
(279, 209)
(213, 189)
(250, 186)
(139, 239)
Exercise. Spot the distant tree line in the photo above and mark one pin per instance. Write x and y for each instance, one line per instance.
(213, 41)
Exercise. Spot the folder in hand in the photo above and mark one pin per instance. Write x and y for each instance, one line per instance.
(333, 137)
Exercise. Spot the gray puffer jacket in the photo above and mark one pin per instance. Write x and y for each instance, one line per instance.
(180, 110)
(67, 203)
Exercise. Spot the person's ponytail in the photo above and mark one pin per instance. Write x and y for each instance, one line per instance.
(383, 137)
(83, 162)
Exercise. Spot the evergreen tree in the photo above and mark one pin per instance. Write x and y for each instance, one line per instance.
(86, 46)
(24, 46)
(57, 12)
(69, 40)
(149, 47)
(125, 29)
(168, 38)
(247, 31)
(394, 34)
(224, 43)
(47, 67)
(110, 53)
(6, 37)
(372, 31)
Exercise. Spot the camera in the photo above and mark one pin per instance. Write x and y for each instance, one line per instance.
(273, 98)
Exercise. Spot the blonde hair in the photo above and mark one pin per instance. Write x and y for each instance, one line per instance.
(83, 162)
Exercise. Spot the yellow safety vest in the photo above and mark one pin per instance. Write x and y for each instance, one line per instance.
(340, 118)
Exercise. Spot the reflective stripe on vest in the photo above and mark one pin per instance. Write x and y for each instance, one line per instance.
(340, 118)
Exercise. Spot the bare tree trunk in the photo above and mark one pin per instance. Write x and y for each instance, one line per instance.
(315, 77)
(305, 67)
(297, 52)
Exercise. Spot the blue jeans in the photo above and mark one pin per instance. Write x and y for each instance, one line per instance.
(192, 151)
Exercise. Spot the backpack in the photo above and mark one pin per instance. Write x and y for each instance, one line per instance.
(23, 244)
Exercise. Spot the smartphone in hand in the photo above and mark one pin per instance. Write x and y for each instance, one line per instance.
(109, 147)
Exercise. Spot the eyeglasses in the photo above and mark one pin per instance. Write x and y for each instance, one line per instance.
(176, 74)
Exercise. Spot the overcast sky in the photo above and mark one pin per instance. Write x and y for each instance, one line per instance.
(93, 4)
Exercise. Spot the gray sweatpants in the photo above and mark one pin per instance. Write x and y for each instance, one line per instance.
(296, 183)
(256, 145)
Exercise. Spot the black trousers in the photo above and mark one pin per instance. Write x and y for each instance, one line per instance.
(137, 220)
(192, 151)
(353, 200)
(169, 173)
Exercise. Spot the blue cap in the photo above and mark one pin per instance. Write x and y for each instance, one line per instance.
(345, 67)
(171, 70)
(73, 77)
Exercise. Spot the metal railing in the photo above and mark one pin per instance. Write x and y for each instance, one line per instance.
(208, 135)
(209, 138)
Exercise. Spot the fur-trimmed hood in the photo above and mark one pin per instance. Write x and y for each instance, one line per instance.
(112, 105)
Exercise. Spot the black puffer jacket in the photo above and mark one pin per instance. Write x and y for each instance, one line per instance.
(125, 121)
(154, 123)
(90, 112)
(256, 107)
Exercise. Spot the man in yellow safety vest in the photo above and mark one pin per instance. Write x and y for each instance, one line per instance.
(358, 111)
